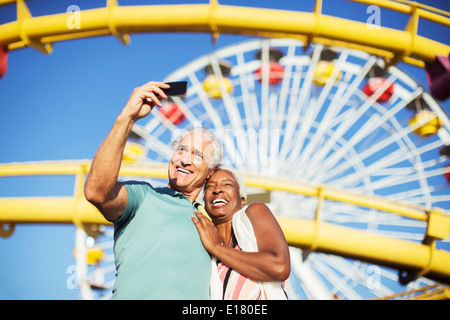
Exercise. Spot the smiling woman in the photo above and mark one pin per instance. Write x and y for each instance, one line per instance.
(251, 256)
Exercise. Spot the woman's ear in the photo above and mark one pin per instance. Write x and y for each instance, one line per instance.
(242, 202)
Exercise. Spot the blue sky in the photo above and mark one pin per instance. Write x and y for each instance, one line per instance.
(61, 106)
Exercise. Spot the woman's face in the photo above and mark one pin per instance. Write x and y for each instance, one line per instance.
(222, 198)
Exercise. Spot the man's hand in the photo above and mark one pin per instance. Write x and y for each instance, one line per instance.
(143, 99)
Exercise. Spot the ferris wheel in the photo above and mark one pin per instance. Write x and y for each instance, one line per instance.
(326, 116)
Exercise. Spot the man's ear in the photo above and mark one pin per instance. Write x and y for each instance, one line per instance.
(211, 171)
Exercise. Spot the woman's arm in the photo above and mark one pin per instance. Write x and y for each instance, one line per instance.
(270, 263)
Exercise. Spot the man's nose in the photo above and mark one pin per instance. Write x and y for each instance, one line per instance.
(186, 158)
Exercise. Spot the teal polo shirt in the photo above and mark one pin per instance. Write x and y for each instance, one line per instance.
(158, 251)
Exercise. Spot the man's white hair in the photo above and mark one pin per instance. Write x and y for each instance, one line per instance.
(216, 159)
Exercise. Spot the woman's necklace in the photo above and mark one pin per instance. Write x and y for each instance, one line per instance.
(231, 240)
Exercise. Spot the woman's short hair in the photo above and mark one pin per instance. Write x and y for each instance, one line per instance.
(240, 182)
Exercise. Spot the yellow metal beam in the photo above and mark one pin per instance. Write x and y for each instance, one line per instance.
(342, 241)
(48, 210)
(433, 292)
(414, 258)
(407, 7)
(373, 202)
(122, 20)
(355, 244)
(159, 170)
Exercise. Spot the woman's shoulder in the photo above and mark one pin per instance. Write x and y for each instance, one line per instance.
(257, 210)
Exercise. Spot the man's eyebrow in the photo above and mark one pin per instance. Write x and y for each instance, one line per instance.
(198, 152)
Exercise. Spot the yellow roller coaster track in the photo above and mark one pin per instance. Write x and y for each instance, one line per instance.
(433, 292)
(415, 258)
(395, 45)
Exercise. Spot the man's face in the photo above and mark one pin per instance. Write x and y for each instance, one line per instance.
(189, 165)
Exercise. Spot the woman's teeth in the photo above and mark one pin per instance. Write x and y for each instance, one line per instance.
(217, 203)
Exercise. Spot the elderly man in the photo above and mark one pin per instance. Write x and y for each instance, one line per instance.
(158, 252)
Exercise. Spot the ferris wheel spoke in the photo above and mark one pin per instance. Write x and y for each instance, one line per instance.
(362, 274)
(319, 137)
(246, 82)
(313, 286)
(287, 61)
(297, 104)
(152, 141)
(265, 84)
(339, 284)
(186, 111)
(229, 103)
(312, 112)
(345, 125)
(212, 114)
(388, 140)
(233, 144)
(342, 129)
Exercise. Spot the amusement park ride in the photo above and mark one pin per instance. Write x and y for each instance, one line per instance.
(307, 113)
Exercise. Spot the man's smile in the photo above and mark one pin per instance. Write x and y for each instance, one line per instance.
(183, 171)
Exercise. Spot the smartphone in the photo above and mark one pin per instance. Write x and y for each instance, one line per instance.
(177, 89)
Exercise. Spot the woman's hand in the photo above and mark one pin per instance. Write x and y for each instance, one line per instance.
(208, 232)
(270, 263)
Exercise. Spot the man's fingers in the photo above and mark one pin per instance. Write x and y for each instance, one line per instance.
(157, 88)
(157, 84)
(151, 97)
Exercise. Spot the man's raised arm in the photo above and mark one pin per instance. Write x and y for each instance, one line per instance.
(102, 188)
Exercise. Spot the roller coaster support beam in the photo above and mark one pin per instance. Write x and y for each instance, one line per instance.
(347, 242)
(40, 32)
(407, 256)
(410, 257)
